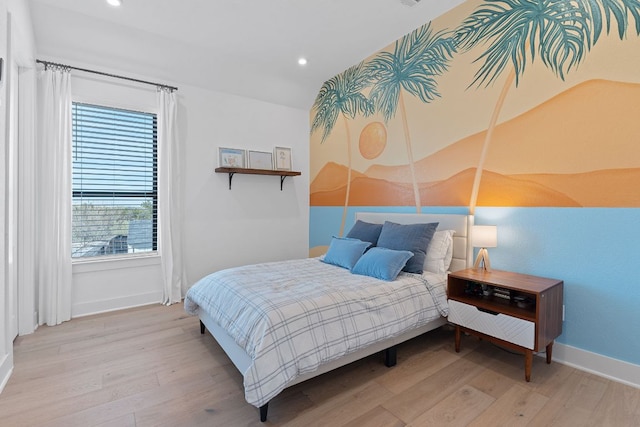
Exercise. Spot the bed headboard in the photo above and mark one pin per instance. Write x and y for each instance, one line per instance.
(461, 224)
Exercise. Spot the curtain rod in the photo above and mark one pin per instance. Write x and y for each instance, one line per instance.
(47, 63)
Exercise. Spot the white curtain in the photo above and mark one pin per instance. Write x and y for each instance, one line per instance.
(169, 199)
(54, 196)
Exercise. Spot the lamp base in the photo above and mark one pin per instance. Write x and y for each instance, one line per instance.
(482, 260)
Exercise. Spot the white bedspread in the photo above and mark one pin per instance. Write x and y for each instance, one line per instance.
(293, 316)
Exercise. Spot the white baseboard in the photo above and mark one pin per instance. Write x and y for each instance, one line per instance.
(604, 366)
(103, 306)
(6, 369)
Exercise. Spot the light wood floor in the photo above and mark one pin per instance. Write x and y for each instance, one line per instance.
(151, 367)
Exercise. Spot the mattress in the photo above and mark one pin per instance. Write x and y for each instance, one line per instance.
(290, 317)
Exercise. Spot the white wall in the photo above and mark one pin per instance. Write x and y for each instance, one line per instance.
(6, 348)
(17, 50)
(253, 222)
(113, 284)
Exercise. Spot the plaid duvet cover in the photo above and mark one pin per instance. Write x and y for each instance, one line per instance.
(292, 316)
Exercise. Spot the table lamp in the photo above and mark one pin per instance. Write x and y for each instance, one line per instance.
(483, 237)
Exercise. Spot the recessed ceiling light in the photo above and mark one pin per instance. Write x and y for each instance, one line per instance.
(302, 61)
(115, 2)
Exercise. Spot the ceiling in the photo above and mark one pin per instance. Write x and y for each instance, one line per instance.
(244, 47)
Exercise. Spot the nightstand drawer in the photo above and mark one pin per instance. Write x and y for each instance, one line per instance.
(507, 328)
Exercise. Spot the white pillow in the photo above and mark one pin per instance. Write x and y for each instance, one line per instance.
(439, 252)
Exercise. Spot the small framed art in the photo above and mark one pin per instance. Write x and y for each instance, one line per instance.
(282, 157)
(260, 159)
(231, 157)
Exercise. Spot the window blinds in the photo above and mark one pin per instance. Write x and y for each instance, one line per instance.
(115, 194)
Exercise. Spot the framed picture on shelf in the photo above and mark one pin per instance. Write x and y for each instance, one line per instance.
(282, 157)
(231, 157)
(260, 160)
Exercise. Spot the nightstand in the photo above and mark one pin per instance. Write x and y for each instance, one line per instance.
(518, 311)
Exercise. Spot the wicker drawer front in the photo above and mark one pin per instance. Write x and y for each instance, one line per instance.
(507, 328)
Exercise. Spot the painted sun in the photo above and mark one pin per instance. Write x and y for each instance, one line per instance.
(373, 140)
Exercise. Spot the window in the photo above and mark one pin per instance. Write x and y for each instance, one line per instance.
(115, 181)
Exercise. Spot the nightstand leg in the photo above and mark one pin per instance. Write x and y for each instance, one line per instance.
(549, 352)
(528, 361)
(457, 339)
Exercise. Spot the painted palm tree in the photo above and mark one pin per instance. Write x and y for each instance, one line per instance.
(342, 96)
(560, 32)
(412, 67)
(619, 10)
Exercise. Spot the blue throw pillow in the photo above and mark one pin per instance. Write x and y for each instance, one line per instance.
(382, 263)
(365, 231)
(410, 237)
(345, 252)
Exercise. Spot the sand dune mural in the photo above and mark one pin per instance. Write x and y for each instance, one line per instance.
(529, 191)
(582, 156)
(508, 103)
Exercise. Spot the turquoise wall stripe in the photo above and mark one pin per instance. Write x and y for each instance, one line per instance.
(594, 250)
(324, 221)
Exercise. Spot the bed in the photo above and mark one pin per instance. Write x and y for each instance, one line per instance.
(282, 323)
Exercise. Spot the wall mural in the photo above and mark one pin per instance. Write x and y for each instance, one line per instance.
(497, 103)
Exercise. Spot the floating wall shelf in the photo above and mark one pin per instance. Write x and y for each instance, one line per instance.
(233, 171)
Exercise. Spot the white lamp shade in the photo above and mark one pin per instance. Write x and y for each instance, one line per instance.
(484, 236)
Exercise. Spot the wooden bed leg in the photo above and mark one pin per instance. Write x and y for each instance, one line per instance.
(263, 412)
(201, 327)
(390, 357)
